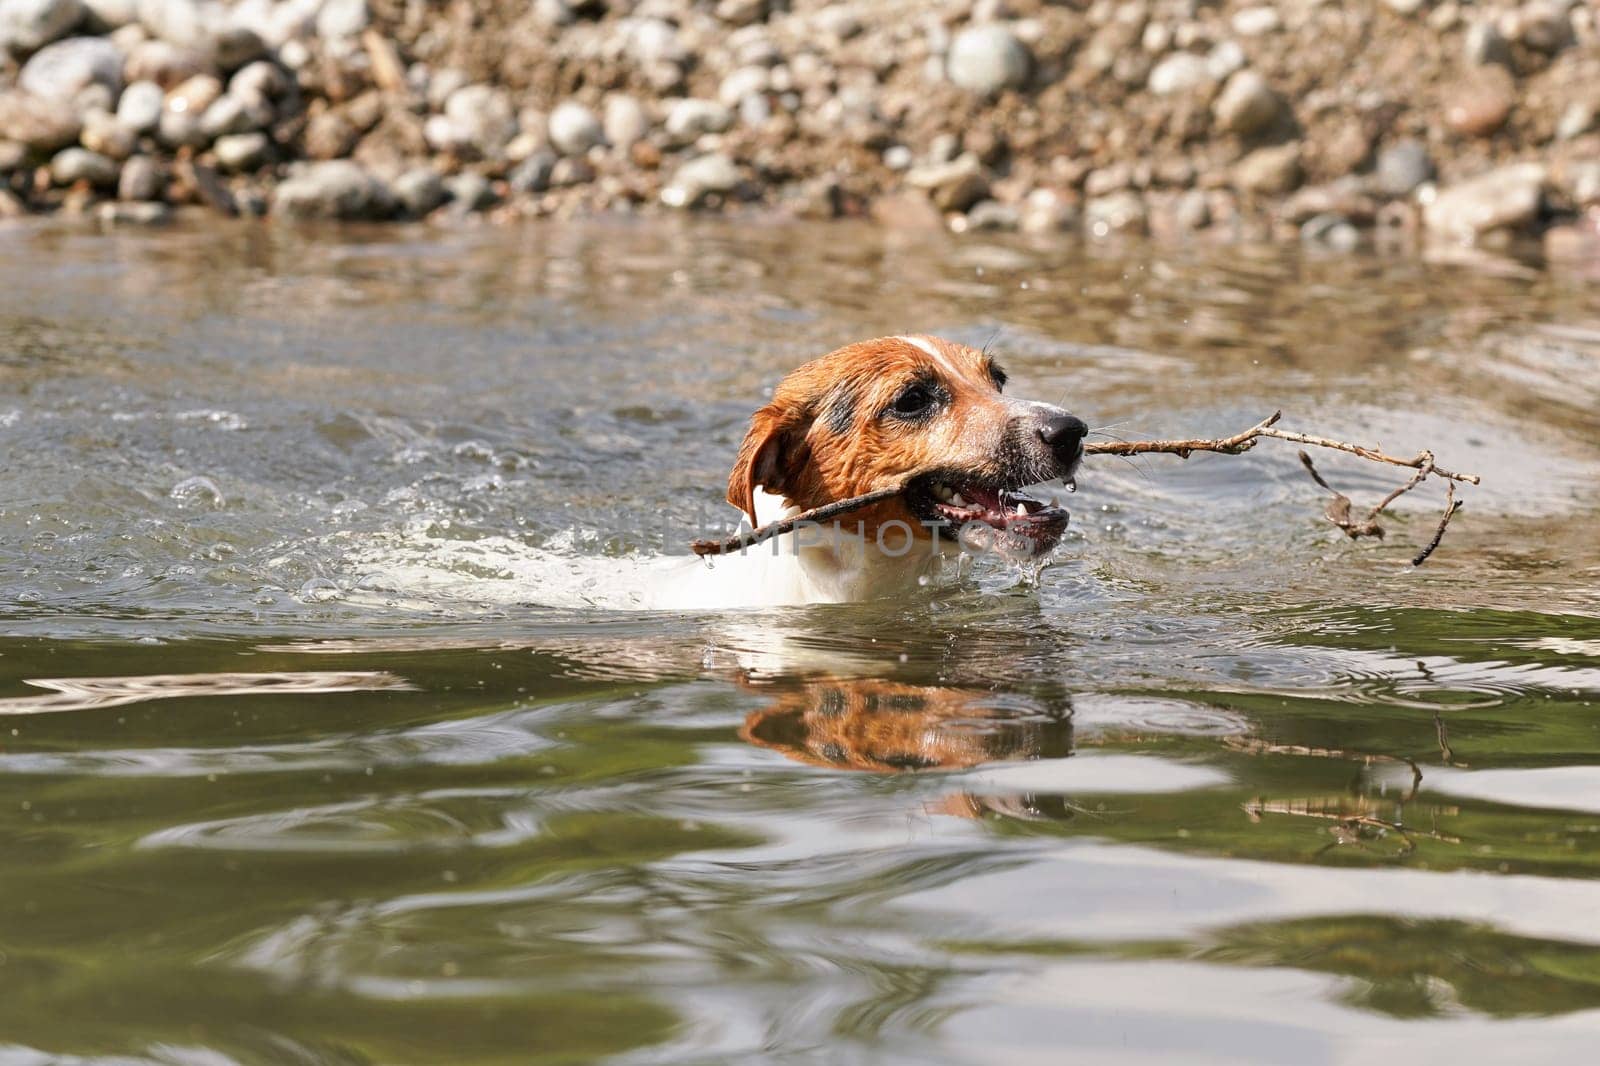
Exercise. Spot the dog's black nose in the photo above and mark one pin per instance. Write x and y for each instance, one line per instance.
(1064, 434)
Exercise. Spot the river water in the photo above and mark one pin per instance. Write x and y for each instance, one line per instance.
(315, 747)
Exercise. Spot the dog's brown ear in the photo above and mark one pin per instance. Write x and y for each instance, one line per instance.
(772, 455)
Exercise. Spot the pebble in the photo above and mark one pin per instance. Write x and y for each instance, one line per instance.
(263, 77)
(1178, 73)
(104, 134)
(571, 170)
(1576, 120)
(952, 186)
(342, 18)
(700, 178)
(573, 128)
(1119, 213)
(106, 15)
(746, 81)
(1404, 7)
(532, 175)
(236, 113)
(1247, 104)
(419, 190)
(1484, 45)
(626, 121)
(72, 165)
(26, 25)
(1049, 211)
(336, 188)
(147, 213)
(1225, 59)
(139, 109)
(987, 215)
(988, 59)
(1270, 171)
(1331, 230)
(331, 135)
(1403, 166)
(1256, 21)
(242, 151)
(164, 63)
(43, 125)
(1192, 211)
(484, 117)
(141, 179)
(180, 129)
(1507, 198)
(690, 118)
(469, 191)
(61, 70)
(1479, 106)
(194, 94)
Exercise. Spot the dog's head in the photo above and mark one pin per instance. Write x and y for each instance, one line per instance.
(918, 411)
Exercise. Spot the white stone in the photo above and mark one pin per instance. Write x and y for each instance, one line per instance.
(698, 178)
(689, 118)
(29, 24)
(1178, 73)
(987, 59)
(140, 106)
(626, 121)
(1501, 199)
(61, 70)
(1256, 21)
(573, 128)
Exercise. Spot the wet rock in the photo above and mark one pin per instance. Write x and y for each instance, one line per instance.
(1120, 213)
(1479, 106)
(208, 186)
(140, 106)
(43, 125)
(952, 186)
(337, 189)
(104, 134)
(1180, 72)
(626, 121)
(1049, 211)
(573, 128)
(1507, 198)
(1269, 171)
(418, 191)
(988, 59)
(1247, 104)
(483, 117)
(26, 25)
(689, 119)
(142, 179)
(699, 178)
(60, 71)
(1403, 166)
(242, 151)
(1484, 45)
(532, 175)
(72, 165)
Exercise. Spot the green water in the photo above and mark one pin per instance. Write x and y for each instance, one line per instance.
(1219, 786)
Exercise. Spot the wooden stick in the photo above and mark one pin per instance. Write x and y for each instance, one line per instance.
(1243, 442)
(1451, 506)
(740, 541)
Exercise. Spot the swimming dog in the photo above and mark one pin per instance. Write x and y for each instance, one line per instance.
(914, 411)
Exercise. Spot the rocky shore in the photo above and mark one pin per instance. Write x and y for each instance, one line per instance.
(1335, 123)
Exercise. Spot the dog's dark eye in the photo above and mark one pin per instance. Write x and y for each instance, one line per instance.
(915, 400)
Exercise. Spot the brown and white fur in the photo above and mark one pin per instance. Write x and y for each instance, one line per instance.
(913, 410)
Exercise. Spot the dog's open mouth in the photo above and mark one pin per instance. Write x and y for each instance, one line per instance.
(955, 503)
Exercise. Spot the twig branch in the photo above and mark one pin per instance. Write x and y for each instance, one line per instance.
(1451, 506)
(750, 537)
(1241, 442)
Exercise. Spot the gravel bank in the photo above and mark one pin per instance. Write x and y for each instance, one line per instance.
(1334, 123)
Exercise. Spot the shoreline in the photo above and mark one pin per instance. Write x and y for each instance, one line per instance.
(1332, 125)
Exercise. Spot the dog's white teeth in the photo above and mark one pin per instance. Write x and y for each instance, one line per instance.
(957, 500)
(942, 491)
(1071, 483)
(1022, 511)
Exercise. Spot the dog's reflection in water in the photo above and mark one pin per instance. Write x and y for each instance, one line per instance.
(890, 727)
